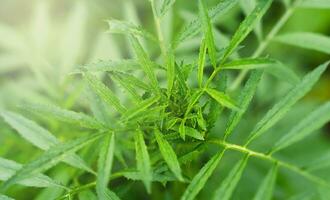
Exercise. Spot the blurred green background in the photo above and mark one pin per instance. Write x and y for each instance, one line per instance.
(41, 41)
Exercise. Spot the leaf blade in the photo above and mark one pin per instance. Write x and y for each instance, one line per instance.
(266, 188)
(246, 26)
(105, 165)
(208, 32)
(123, 27)
(104, 92)
(228, 186)
(283, 106)
(143, 160)
(9, 168)
(306, 40)
(168, 155)
(312, 122)
(244, 100)
(222, 98)
(64, 115)
(199, 180)
(48, 159)
(40, 137)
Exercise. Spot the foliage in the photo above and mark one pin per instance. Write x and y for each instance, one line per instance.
(158, 117)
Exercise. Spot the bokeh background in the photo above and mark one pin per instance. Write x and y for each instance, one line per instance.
(42, 41)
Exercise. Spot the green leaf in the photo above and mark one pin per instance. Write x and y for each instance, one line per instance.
(244, 100)
(284, 73)
(249, 63)
(246, 26)
(312, 122)
(266, 188)
(48, 159)
(247, 7)
(104, 164)
(215, 109)
(129, 87)
(143, 160)
(200, 179)
(122, 27)
(145, 62)
(64, 115)
(40, 137)
(111, 195)
(222, 98)
(193, 133)
(170, 63)
(284, 105)
(201, 63)
(168, 154)
(140, 108)
(193, 100)
(194, 27)
(321, 162)
(3, 197)
(319, 4)
(208, 32)
(108, 66)
(104, 92)
(182, 129)
(9, 168)
(314, 41)
(165, 6)
(228, 186)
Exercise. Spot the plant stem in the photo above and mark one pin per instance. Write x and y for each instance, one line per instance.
(268, 157)
(159, 30)
(262, 46)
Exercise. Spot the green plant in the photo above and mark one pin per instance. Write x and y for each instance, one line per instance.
(167, 117)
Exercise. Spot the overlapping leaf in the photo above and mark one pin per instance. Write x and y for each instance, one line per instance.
(284, 105)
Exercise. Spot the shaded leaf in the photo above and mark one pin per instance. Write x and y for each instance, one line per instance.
(244, 100)
(306, 40)
(104, 92)
(48, 159)
(105, 165)
(200, 179)
(143, 160)
(283, 73)
(265, 191)
(40, 137)
(228, 185)
(9, 168)
(312, 122)
(284, 105)
(168, 154)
